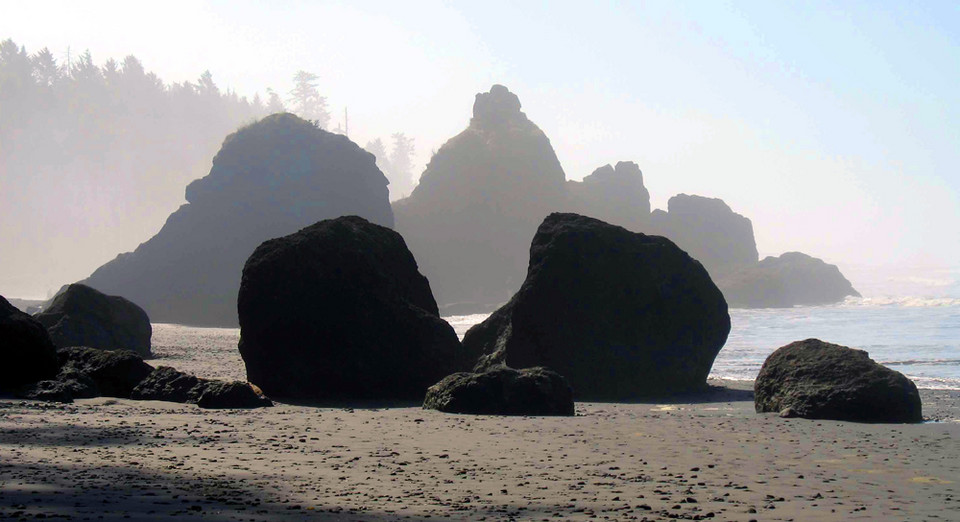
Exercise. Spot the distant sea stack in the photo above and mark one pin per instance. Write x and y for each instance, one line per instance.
(621, 315)
(615, 195)
(789, 280)
(269, 179)
(709, 231)
(470, 220)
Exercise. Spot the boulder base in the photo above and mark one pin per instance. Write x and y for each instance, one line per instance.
(819, 380)
(27, 354)
(339, 311)
(82, 316)
(502, 391)
(620, 314)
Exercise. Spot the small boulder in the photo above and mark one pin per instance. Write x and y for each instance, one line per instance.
(82, 316)
(26, 351)
(234, 394)
(819, 380)
(115, 373)
(168, 384)
(502, 391)
(621, 315)
(339, 311)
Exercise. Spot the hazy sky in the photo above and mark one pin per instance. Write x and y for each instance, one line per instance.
(833, 126)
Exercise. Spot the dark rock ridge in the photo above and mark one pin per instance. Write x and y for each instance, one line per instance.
(615, 195)
(339, 311)
(619, 314)
(502, 391)
(89, 372)
(26, 352)
(791, 279)
(479, 202)
(819, 380)
(82, 316)
(269, 179)
(708, 230)
(113, 373)
(171, 385)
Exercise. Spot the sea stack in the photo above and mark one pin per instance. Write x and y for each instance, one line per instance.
(789, 280)
(339, 312)
(269, 179)
(621, 315)
(483, 194)
(615, 195)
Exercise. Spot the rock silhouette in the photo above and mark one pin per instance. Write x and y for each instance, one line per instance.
(483, 194)
(619, 314)
(819, 380)
(615, 195)
(708, 230)
(268, 180)
(781, 282)
(339, 311)
(82, 316)
(27, 353)
(502, 391)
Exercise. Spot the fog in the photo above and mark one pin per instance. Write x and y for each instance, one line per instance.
(831, 127)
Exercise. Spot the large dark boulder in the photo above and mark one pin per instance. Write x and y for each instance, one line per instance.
(619, 314)
(819, 380)
(82, 316)
(269, 179)
(115, 373)
(478, 203)
(613, 194)
(709, 231)
(502, 391)
(339, 311)
(27, 354)
(789, 280)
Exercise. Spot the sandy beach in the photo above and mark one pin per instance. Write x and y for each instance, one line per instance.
(701, 457)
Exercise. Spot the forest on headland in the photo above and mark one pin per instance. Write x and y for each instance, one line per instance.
(93, 158)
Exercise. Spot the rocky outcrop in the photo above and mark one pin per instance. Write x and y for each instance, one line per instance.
(819, 380)
(339, 311)
(268, 180)
(615, 195)
(502, 391)
(789, 280)
(82, 316)
(168, 384)
(619, 314)
(113, 373)
(26, 352)
(708, 230)
(231, 394)
(479, 201)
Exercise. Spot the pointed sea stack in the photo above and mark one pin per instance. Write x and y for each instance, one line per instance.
(269, 179)
(470, 220)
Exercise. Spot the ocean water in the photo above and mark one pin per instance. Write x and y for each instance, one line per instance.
(919, 337)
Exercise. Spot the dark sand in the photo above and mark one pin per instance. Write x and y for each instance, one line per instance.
(700, 457)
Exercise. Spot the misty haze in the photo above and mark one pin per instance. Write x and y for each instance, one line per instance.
(484, 262)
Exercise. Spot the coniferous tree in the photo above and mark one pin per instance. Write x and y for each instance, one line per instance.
(401, 165)
(306, 100)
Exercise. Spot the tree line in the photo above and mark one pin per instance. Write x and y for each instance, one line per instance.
(104, 152)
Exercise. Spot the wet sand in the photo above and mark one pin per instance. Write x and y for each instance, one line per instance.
(702, 457)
